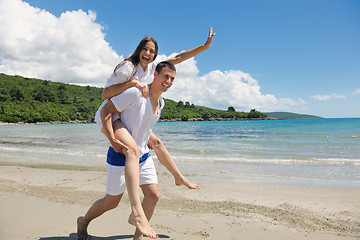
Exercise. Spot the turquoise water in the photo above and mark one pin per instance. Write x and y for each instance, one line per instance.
(306, 151)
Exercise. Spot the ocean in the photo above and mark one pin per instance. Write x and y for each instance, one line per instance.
(323, 152)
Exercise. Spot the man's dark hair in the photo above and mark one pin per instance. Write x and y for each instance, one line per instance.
(163, 64)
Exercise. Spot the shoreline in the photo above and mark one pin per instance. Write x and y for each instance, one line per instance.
(214, 211)
(221, 177)
(167, 120)
(161, 120)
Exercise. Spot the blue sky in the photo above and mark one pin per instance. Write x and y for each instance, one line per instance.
(298, 56)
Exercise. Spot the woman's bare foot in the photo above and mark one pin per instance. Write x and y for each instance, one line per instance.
(181, 180)
(142, 225)
(82, 230)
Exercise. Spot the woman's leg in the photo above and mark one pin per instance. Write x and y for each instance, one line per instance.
(151, 197)
(166, 160)
(132, 179)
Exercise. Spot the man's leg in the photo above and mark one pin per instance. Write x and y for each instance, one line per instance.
(97, 209)
(151, 197)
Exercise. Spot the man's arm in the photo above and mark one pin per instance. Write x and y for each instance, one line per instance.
(192, 52)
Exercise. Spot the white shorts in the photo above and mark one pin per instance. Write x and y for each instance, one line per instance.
(115, 180)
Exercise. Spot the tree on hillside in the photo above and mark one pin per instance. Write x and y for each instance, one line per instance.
(231, 109)
(255, 114)
(16, 93)
(180, 104)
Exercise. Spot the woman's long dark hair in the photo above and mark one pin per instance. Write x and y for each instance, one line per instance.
(135, 57)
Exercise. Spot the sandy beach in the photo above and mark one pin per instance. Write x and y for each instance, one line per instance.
(43, 202)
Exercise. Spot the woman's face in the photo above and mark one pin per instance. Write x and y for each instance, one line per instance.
(147, 54)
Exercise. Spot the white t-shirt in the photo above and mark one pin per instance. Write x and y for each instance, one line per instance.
(126, 71)
(136, 114)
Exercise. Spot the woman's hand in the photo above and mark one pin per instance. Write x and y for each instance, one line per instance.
(142, 87)
(192, 52)
(209, 39)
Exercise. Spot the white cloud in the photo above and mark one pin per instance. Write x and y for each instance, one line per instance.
(223, 89)
(357, 91)
(328, 96)
(70, 48)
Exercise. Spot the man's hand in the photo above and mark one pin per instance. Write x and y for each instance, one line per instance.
(154, 142)
(118, 146)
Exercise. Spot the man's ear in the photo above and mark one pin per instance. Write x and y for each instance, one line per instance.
(156, 74)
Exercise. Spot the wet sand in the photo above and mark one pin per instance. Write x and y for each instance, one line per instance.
(44, 203)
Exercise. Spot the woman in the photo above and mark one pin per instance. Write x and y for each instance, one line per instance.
(137, 70)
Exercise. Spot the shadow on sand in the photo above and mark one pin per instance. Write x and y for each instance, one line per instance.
(73, 236)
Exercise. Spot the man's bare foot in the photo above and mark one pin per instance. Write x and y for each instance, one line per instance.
(138, 235)
(181, 180)
(142, 225)
(82, 230)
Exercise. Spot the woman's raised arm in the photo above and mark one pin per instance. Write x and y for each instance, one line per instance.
(193, 52)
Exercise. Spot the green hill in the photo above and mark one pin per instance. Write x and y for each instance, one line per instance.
(33, 100)
(289, 115)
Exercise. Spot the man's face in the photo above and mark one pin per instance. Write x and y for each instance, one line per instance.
(165, 78)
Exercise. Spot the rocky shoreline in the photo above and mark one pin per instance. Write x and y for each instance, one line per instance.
(43, 123)
(161, 120)
(213, 119)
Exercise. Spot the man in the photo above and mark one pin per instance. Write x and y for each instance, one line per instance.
(139, 115)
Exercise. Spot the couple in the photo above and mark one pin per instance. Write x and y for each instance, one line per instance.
(130, 134)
